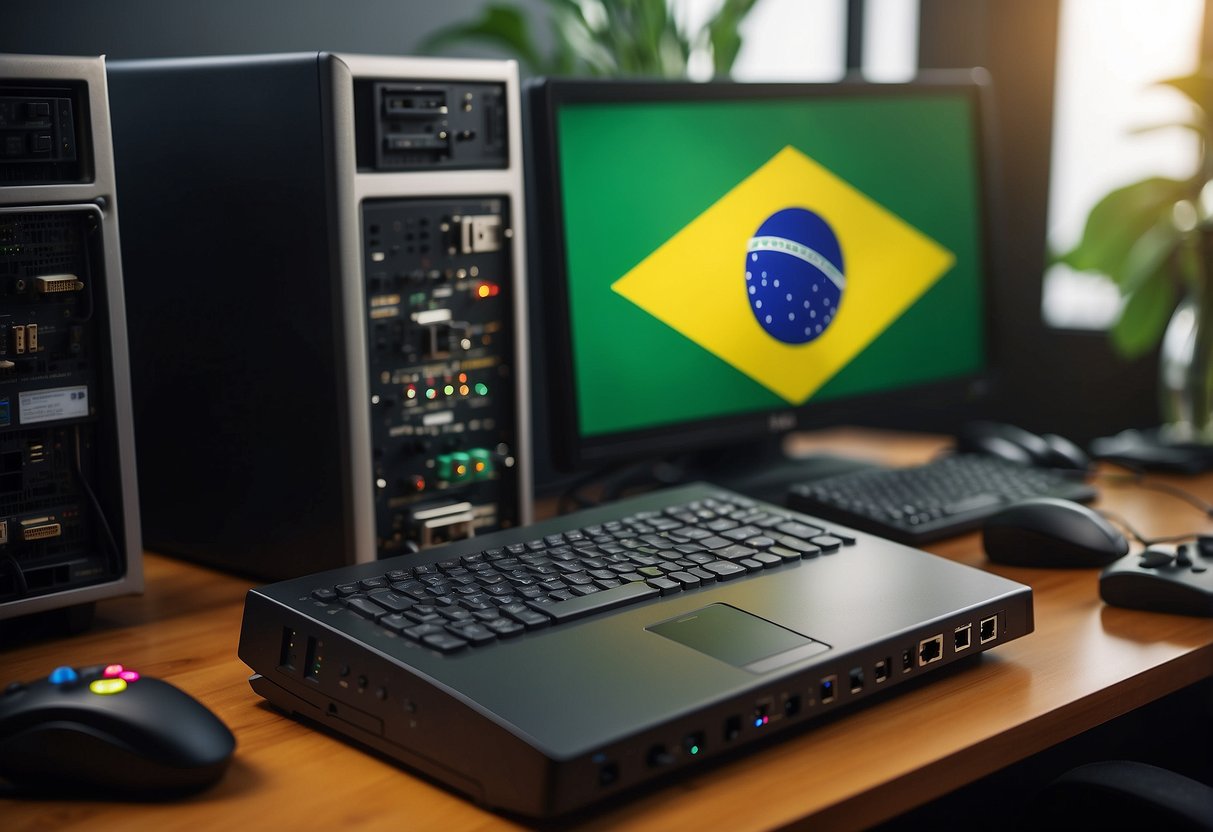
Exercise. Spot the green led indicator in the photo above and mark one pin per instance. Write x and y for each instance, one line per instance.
(694, 749)
(449, 389)
(482, 388)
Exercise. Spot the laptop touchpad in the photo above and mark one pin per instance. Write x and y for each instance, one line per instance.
(739, 638)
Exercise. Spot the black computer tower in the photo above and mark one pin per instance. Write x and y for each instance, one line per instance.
(326, 301)
(69, 522)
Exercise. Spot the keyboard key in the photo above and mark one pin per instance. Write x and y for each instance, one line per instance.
(725, 570)
(366, 608)
(735, 552)
(688, 580)
(828, 543)
(444, 642)
(799, 529)
(608, 599)
(665, 585)
(525, 615)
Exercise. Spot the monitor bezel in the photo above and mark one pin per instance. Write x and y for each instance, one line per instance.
(573, 451)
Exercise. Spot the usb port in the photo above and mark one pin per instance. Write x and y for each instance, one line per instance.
(31, 337)
(881, 671)
(907, 660)
(19, 339)
(829, 688)
(856, 679)
(288, 652)
(314, 659)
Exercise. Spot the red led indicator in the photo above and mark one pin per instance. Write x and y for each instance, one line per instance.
(112, 671)
(487, 290)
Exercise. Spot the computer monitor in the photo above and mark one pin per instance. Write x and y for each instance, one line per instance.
(722, 261)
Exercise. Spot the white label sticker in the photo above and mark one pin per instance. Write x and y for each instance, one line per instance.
(53, 405)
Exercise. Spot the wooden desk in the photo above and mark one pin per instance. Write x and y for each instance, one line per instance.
(1084, 664)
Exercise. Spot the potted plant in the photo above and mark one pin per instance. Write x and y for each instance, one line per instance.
(1154, 240)
(604, 37)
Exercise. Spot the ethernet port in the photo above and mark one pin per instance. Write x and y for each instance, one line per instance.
(988, 631)
(856, 679)
(881, 671)
(829, 688)
(930, 650)
(962, 637)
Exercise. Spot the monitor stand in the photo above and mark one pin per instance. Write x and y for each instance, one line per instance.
(763, 470)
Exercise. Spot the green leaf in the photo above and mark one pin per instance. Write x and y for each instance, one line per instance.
(1118, 220)
(1198, 87)
(724, 34)
(500, 26)
(1148, 254)
(1144, 317)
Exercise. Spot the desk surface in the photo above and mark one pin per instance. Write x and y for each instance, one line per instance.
(1085, 664)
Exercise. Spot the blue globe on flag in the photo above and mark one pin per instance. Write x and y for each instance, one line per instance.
(794, 275)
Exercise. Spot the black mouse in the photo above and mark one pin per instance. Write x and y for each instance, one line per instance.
(1052, 533)
(1018, 445)
(107, 731)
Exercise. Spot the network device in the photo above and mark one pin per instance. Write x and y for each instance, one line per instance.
(69, 521)
(724, 262)
(326, 302)
(543, 669)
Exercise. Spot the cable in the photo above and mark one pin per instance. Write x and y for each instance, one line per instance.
(1139, 479)
(19, 575)
(115, 552)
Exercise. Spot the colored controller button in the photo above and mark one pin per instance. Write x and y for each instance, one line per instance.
(105, 687)
(63, 676)
(129, 676)
(113, 670)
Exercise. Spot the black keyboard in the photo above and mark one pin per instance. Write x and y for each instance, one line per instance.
(476, 599)
(944, 497)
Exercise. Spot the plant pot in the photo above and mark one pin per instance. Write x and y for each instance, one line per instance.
(1186, 373)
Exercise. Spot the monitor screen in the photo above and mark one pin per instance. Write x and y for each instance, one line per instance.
(725, 258)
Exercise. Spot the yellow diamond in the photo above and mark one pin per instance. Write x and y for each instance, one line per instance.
(695, 281)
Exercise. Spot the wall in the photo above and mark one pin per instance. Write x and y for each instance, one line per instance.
(169, 28)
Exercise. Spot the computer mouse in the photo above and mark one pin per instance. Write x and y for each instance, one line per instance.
(1161, 580)
(108, 731)
(1003, 441)
(1018, 445)
(1053, 533)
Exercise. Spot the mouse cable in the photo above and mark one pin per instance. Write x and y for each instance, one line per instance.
(1138, 478)
(1139, 537)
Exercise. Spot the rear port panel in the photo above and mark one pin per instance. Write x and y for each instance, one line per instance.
(439, 301)
(51, 335)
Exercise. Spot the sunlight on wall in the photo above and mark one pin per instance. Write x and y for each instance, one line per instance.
(1109, 54)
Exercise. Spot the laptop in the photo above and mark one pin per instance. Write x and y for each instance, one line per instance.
(543, 669)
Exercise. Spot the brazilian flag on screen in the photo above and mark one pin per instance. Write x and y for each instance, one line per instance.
(731, 257)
